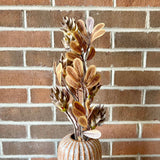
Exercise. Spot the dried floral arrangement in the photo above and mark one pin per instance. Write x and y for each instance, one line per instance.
(78, 84)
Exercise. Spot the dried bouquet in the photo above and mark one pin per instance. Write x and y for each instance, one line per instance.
(78, 84)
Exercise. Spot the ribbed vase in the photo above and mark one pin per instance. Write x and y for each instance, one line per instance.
(70, 149)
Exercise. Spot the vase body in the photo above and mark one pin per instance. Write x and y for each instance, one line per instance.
(70, 149)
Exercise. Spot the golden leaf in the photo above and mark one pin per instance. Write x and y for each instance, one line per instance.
(98, 34)
(94, 81)
(59, 72)
(90, 73)
(71, 56)
(78, 110)
(72, 73)
(97, 28)
(75, 47)
(81, 26)
(82, 120)
(79, 106)
(78, 65)
(72, 83)
(91, 53)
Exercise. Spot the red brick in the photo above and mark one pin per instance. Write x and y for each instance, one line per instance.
(40, 96)
(32, 39)
(24, 2)
(83, 3)
(51, 18)
(13, 96)
(117, 59)
(102, 42)
(105, 77)
(13, 159)
(151, 131)
(136, 147)
(11, 58)
(51, 131)
(137, 78)
(154, 19)
(135, 113)
(153, 59)
(28, 148)
(150, 158)
(105, 148)
(118, 131)
(26, 114)
(12, 131)
(121, 19)
(11, 18)
(25, 77)
(139, 3)
(152, 97)
(118, 97)
(137, 40)
(42, 58)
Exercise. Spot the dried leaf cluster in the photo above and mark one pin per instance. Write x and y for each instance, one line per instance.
(78, 84)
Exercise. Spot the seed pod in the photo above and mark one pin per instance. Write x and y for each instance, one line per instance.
(91, 53)
(94, 81)
(72, 83)
(72, 73)
(75, 47)
(71, 56)
(78, 65)
(90, 73)
(82, 120)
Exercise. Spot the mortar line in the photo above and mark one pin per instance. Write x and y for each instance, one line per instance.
(24, 58)
(53, 3)
(69, 8)
(112, 77)
(147, 19)
(28, 132)
(87, 14)
(28, 95)
(52, 39)
(140, 130)
(144, 59)
(144, 96)
(113, 39)
(1, 148)
(111, 145)
(110, 113)
(114, 3)
(25, 19)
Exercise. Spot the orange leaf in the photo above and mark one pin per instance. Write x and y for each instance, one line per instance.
(91, 53)
(98, 34)
(77, 109)
(72, 73)
(90, 73)
(82, 120)
(94, 81)
(81, 26)
(75, 47)
(78, 65)
(59, 72)
(98, 27)
(71, 56)
(72, 83)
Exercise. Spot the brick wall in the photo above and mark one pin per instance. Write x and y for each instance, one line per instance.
(128, 56)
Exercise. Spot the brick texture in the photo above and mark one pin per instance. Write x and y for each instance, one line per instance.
(117, 59)
(26, 114)
(137, 40)
(137, 78)
(50, 131)
(136, 147)
(13, 96)
(153, 59)
(135, 113)
(150, 158)
(154, 20)
(105, 148)
(32, 39)
(83, 3)
(118, 97)
(44, 159)
(11, 58)
(40, 95)
(25, 78)
(121, 19)
(24, 148)
(151, 131)
(42, 58)
(24, 2)
(51, 18)
(142, 3)
(11, 18)
(12, 131)
(118, 131)
(152, 97)
(130, 158)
